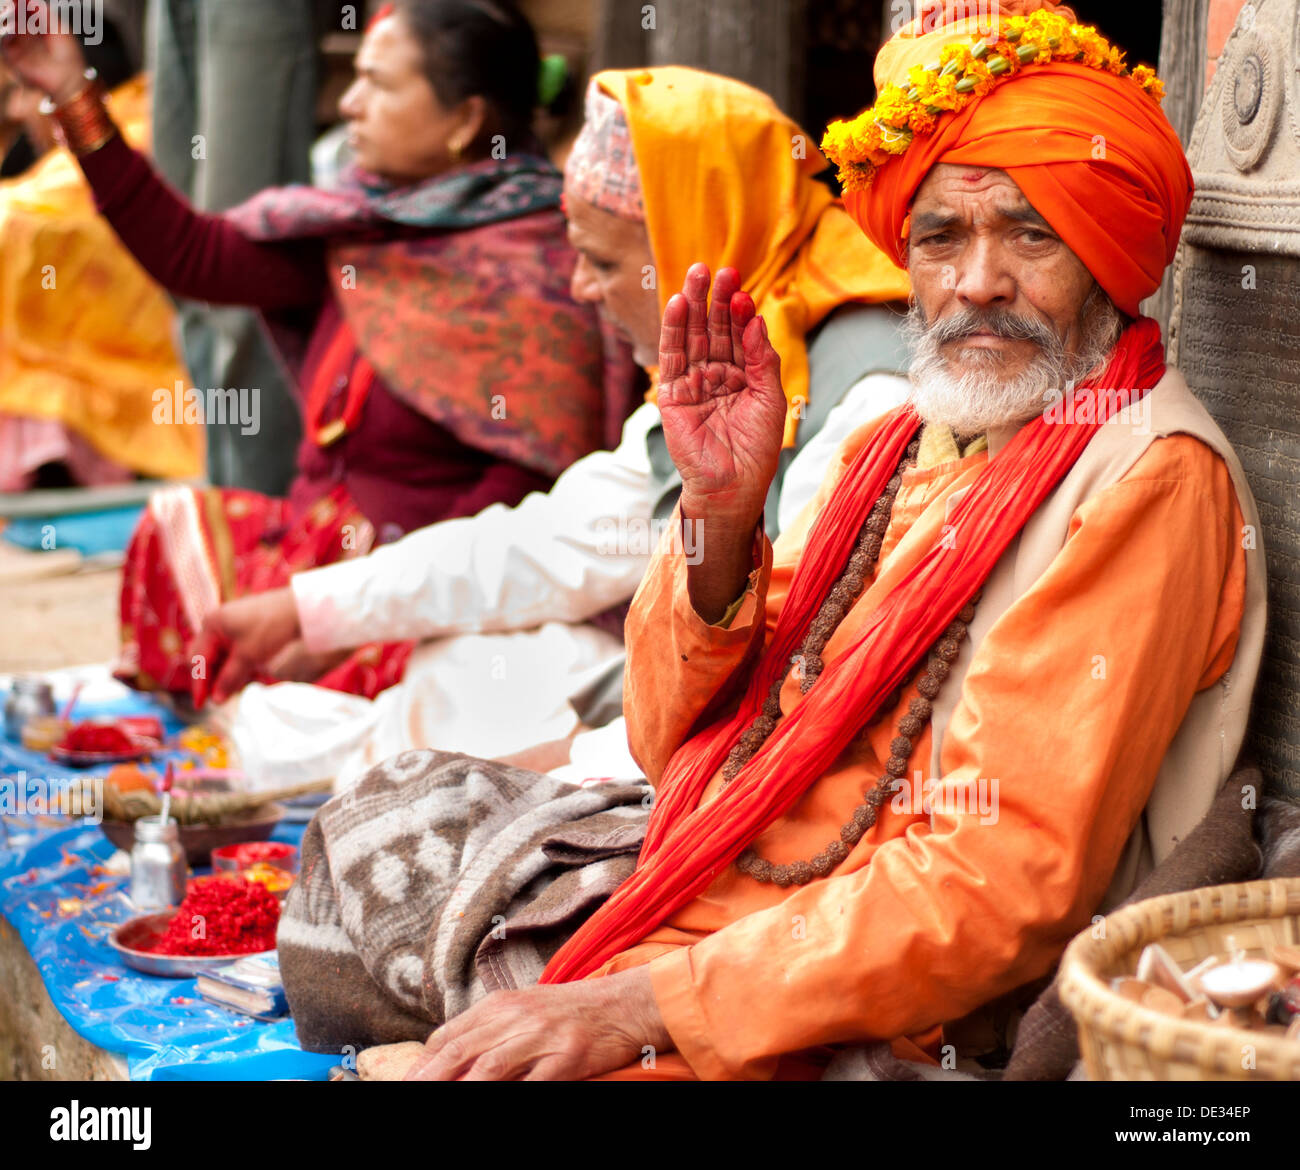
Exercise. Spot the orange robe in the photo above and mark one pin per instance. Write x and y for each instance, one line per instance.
(935, 913)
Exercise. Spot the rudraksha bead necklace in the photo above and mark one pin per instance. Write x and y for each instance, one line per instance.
(808, 663)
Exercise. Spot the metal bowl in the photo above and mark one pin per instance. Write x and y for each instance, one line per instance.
(200, 840)
(143, 929)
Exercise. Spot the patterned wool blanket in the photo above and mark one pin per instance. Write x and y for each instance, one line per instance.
(440, 878)
(437, 879)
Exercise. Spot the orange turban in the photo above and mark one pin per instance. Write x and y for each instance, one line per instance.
(1091, 151)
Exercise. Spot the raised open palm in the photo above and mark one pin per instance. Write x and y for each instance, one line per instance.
(720, 396)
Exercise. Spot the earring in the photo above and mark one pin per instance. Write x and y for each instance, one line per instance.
(455, 148)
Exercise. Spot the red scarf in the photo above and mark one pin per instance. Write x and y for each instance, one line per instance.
(688, 846)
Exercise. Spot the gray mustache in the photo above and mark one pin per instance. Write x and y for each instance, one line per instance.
(1000, 323)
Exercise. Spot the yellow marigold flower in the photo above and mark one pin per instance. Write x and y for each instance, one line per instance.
(895, 139)
(1092, 46)
(861, 146)
(979, 70)
(1049, 24)
(961, 54)
(944, 95)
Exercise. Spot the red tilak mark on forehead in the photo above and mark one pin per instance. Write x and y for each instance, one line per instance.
(974, 176)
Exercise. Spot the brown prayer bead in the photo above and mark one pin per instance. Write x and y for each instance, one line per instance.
(808, 667)
(947, 650)
(801, 873)
(911, 726)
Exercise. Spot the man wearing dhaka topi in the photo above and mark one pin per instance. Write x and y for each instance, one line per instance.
(1000, 666)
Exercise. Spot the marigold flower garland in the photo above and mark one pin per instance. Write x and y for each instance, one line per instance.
(861, 145)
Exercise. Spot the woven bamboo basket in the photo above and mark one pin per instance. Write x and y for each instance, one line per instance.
(1123, 1041)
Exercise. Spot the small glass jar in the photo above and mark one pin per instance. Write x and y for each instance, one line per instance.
(29, 697)
(158, 867)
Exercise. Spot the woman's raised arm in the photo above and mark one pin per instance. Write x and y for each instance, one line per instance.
(190, 254)
(193, 254)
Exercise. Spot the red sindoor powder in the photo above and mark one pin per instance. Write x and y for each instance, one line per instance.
(231, 916)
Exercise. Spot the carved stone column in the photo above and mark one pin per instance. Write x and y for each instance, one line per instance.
(1235, 324)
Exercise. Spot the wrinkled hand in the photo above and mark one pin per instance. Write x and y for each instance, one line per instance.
(242, 638)
(720, 398)
(564, 1031)
(50, 62)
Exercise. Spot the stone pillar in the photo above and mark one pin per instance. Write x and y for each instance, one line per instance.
(1234, 329)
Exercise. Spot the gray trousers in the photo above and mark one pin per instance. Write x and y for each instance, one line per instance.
(234, 88)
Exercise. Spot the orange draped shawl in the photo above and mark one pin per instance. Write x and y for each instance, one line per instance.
(728, 179)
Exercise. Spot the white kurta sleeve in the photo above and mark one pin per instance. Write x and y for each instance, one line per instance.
(563, 555)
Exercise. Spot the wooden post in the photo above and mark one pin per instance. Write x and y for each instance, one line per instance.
(756, 41)
(619, 42)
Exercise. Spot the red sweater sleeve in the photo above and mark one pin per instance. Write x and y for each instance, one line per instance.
(503, 482)
(193, 254)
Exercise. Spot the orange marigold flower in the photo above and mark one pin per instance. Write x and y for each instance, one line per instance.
(1146, 77)
(920, 120)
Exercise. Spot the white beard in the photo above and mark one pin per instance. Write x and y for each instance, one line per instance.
(977, 399)
(979, 396)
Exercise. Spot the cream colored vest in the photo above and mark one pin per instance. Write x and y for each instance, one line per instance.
(1210, 736)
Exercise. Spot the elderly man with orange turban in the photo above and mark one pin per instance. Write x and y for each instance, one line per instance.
(1001, 664)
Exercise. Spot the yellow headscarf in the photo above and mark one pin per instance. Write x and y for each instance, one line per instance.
(727, 179)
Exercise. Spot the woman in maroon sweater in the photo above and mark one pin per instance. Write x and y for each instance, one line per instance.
(423, 309)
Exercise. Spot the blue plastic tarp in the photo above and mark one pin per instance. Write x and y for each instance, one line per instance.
(90, 533)
(55, 894)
